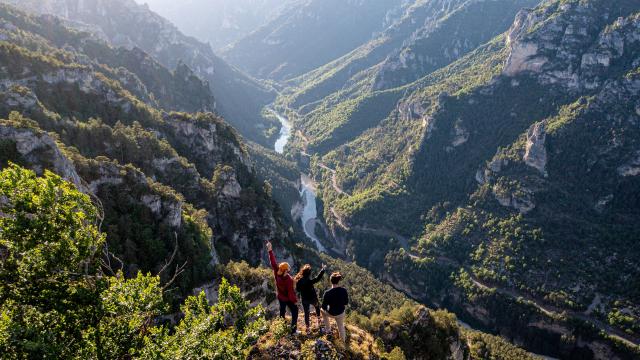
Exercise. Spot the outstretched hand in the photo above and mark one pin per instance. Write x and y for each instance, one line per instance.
(324, 266)
(269, 246)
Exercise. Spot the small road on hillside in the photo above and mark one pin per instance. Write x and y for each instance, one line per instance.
(548, 310)
(404, 241)
(334, 179)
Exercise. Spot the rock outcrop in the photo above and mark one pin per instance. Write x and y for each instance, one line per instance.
(39, 149)
(112, 20)
(535, 152)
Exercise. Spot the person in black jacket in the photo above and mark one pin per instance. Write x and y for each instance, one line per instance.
(305, 287)
(334, 304)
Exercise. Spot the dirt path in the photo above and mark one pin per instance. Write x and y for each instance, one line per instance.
(550, 310)
(404, 242)
(334, 179)
(339, 220)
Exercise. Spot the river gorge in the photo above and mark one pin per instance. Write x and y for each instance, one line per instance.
(307, 188)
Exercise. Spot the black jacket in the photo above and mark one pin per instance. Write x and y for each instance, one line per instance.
(306, 289)
(335, 300)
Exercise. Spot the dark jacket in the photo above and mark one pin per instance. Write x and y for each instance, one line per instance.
(335, 300)
(284, 284)
(306, 289)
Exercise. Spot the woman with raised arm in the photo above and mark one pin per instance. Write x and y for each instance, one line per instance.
(285, 289)
(305, 287)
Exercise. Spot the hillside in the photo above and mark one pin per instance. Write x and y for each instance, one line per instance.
(62, 298)
(427, 36)
(513, 167)
(382, 323)
(471, 166)
(163, 179)
(309, 35)
(238, 98)
(220, 22)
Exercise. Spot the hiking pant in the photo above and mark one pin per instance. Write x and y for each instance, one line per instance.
(306, 306)
(339, 321)
(294, 313)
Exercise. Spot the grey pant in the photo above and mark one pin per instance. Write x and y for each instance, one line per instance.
(339, 321)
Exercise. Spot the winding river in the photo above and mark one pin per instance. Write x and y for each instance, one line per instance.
(285, 132)
(307, 186)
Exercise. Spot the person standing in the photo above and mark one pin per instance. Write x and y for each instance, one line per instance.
(305, 285)
(285, 289)
(334, 304)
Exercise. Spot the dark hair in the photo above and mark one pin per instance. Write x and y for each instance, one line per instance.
(304, 272)
(335, 278)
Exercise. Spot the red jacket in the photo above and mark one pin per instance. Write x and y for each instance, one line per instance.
(284, 284)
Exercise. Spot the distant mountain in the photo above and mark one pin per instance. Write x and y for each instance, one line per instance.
(239, 99)
(219, 22)
(367, 82)
(311, 34)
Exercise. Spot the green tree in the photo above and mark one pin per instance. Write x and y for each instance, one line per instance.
(48, 240)
(55, 301)
(225, 330)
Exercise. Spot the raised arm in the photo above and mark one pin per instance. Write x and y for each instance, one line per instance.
(272, 258)
(318, 277)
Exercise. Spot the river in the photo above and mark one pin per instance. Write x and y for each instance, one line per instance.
(307, 186)
(285, 132)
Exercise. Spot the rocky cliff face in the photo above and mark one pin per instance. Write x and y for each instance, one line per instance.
(162, 179)
(41, 151)
(573, 49)
(238, 98)
(453, 29)
(554, 192)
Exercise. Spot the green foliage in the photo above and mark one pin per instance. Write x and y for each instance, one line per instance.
(55, 302)
(105, 109)
(127, 310)
(48, 227)
(395, 354)
(484, 346)
(225, 330)
(48, 239)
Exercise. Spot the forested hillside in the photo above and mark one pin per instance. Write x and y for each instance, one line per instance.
(131, 206)
(509, 168)
(309, 35)
(238, 98)
(164, 179)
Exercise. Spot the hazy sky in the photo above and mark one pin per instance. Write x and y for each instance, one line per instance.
(219, 22)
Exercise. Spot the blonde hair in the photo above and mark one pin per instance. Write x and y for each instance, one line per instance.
(283, 268)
